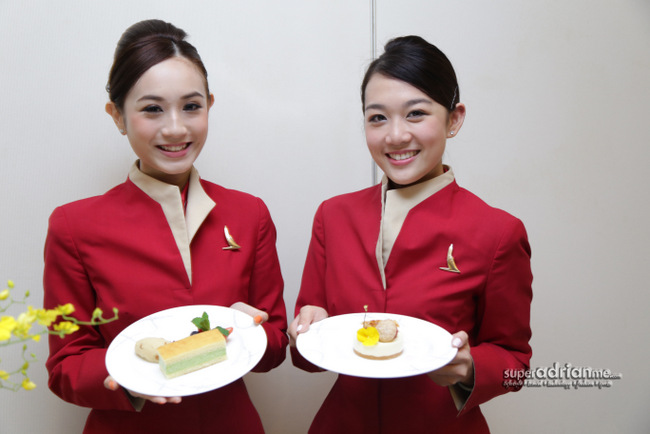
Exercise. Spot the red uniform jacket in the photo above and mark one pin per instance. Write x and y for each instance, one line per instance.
(490, 300)
(117, 250)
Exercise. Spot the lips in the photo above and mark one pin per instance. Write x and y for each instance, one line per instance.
(402, 155)
(174, 148)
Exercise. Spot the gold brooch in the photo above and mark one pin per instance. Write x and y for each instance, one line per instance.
(232, 245)
(451, 264)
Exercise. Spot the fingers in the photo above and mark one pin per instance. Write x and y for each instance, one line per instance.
(259, 316)
(111, 384)
(157, 399)
(307, 316)
(461, 367)
(459, 340)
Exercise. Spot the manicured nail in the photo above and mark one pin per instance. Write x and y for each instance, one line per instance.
(112, 385)
(457, 343)
(299, 327)
(258, 319)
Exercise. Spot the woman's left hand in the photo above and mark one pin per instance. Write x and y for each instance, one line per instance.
(111, 384)
(461, 367)
(259, 316)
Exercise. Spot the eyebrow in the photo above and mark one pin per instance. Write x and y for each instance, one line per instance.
(158, 98)
(407, 104)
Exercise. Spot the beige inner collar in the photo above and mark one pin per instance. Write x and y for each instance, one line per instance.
(184, 224)
(395, 206)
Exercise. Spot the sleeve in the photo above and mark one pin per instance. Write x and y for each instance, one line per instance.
(312, 288)
(502, 338)
(76, 365)
(266, 293)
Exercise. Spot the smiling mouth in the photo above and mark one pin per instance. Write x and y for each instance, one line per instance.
(174, 148)
(403, 155)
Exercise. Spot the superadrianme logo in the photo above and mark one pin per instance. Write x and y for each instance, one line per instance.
(565, 376)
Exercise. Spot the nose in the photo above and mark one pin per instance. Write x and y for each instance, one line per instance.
(174, 126)
(398, 134)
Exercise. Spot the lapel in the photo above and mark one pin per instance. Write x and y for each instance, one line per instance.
(184, 224)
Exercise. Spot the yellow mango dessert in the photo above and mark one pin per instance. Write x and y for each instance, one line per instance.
(379, 340)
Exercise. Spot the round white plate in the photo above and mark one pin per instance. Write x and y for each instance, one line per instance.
(328, 345)
(245, 347)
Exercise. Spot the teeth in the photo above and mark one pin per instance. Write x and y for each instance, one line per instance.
(403, 156)
(175, 148)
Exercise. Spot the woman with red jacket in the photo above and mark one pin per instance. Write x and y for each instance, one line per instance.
(155, 242)
(387, 246)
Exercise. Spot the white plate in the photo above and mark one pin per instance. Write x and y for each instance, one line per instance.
(328, 344)
(245, 347)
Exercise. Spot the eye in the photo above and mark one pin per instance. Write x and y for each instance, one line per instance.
(376, 118)
(152, 109)
(192, 106)
(416, 114)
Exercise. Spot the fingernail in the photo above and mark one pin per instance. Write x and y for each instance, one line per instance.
(258, 319)
(299, 327)
(112, 385)
(457, 342)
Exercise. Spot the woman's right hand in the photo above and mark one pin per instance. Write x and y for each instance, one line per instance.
(307, 316)
(111, 384)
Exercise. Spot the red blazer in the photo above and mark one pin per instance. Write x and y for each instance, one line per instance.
(117, 250)
(490, 300)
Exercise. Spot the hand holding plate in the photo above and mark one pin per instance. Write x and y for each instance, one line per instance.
(307, 316)
(461, 367)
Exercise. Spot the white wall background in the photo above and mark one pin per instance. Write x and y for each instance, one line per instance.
(557, 133)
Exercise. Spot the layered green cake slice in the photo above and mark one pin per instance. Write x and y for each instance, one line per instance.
(192, 353)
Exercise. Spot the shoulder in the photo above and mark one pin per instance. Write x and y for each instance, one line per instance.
(473, 215)
(92, 205)
(235, 200)
(354, 200)
(476, 208)
(216, 191)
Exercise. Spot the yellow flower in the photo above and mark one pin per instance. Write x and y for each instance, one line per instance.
(28, 384)
(4, 294)
(66, 327)
(46, 317)
(368, 336)
(10, 283)
(7, 325)
(66, 309)
(24, 323)
(4, 375)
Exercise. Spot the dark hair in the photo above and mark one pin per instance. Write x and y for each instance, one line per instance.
(413, 60)
(142, 46)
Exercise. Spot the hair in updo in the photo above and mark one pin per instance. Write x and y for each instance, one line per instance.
(413, 60)
(142, 46)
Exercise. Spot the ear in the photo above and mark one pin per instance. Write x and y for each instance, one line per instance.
(210, 100)
(456, 119)
(115, 113)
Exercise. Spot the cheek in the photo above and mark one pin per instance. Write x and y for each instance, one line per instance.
(141, 128)
(432, 135)
(199, 126)
(374, 140)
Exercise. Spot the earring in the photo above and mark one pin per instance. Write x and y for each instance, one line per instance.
(122, 131)
(451, 133)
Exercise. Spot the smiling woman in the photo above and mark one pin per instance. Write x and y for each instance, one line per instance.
(165, 117)
(151, 243)
(422, 247)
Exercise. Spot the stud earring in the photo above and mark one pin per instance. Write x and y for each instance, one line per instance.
(451, 133)
(122, 131)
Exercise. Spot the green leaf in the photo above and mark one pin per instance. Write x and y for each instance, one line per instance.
(202, 322)
(223, 331)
